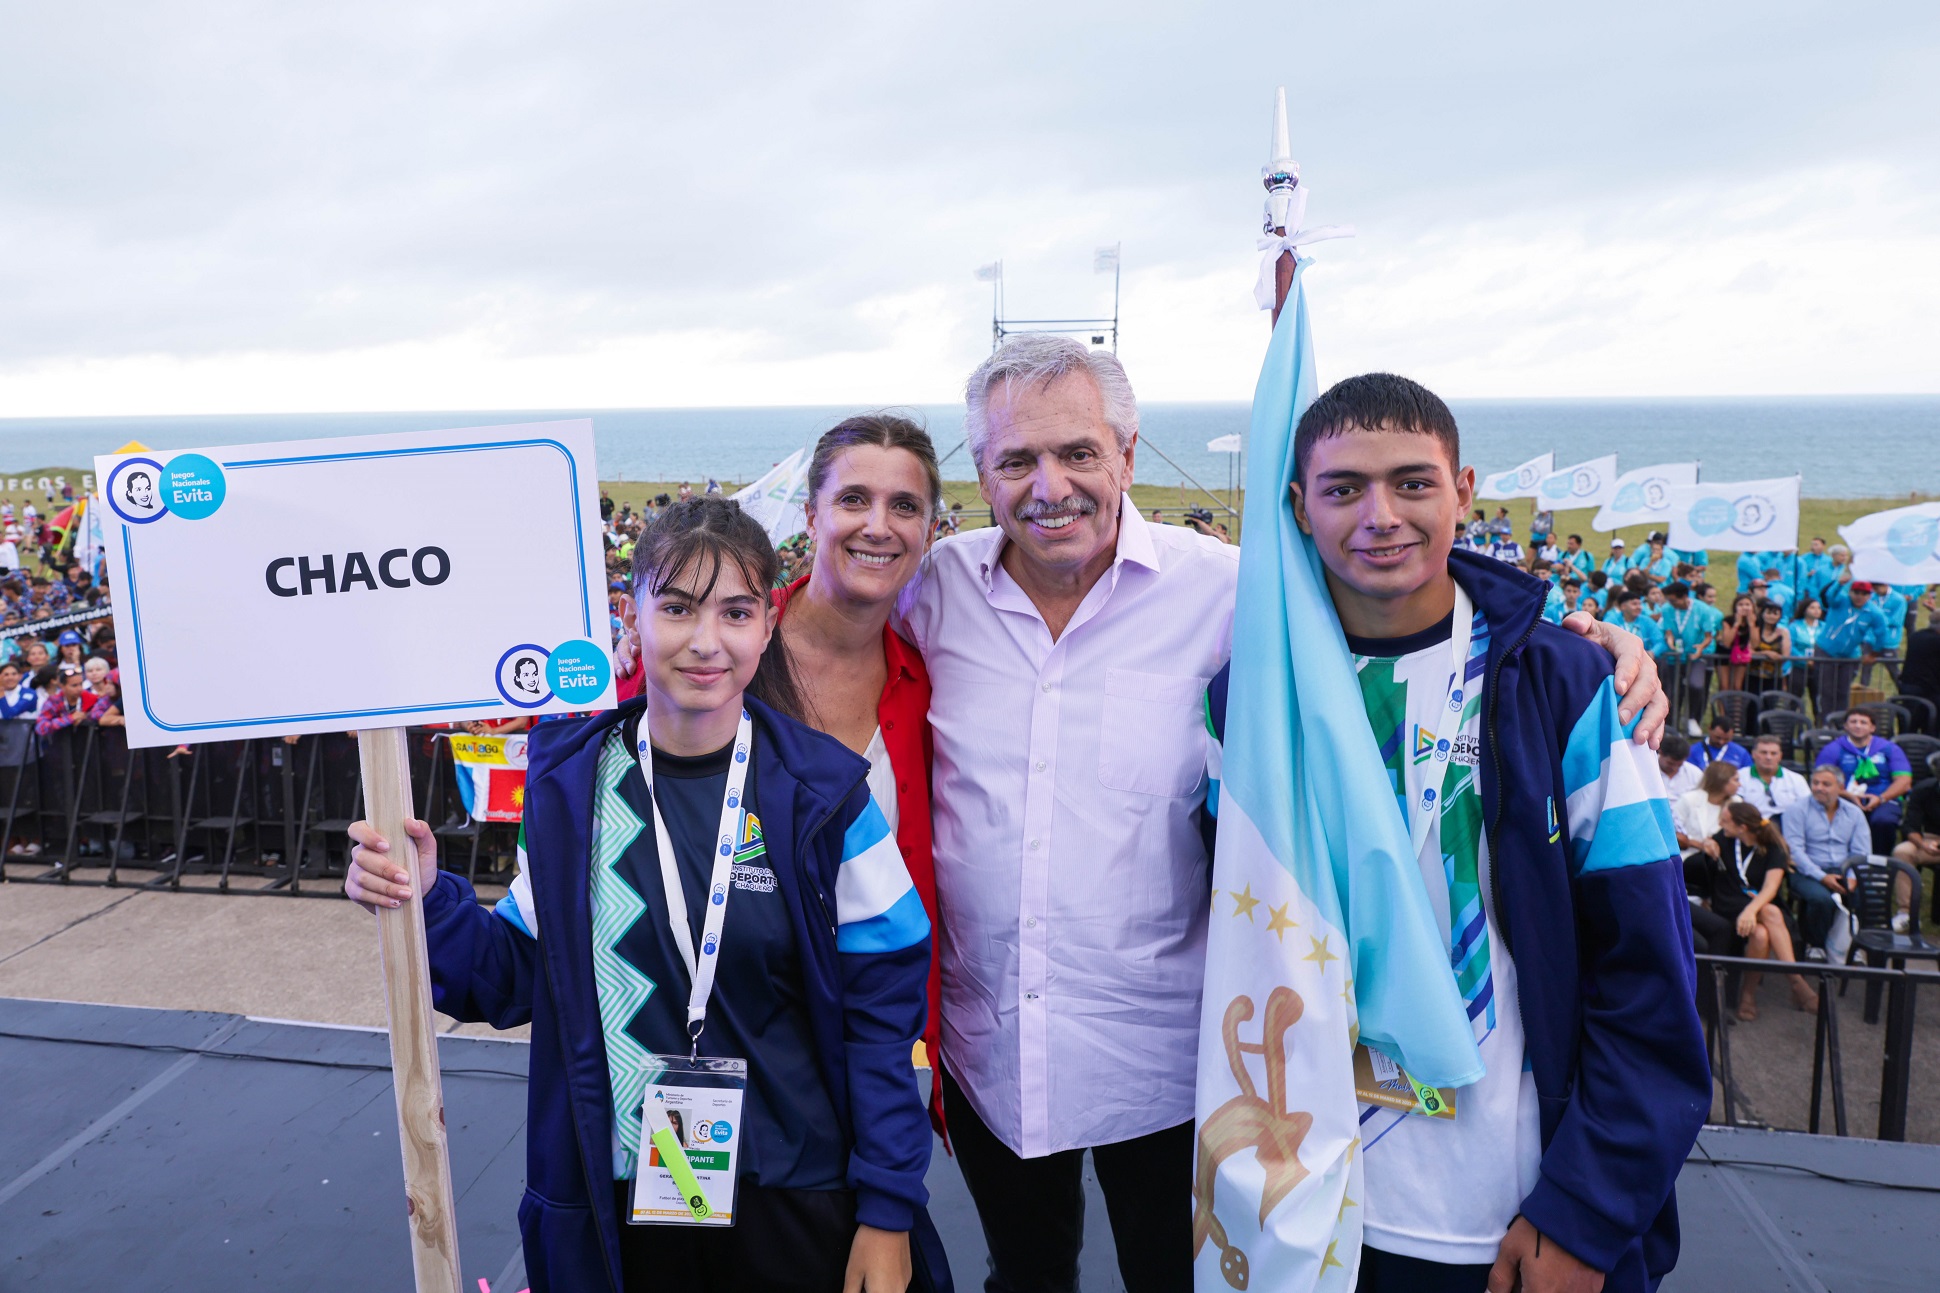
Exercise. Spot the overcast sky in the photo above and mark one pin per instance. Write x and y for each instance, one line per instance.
(232, 207)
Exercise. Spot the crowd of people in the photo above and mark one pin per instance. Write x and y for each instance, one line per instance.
(1002, 737)
(1782, 621)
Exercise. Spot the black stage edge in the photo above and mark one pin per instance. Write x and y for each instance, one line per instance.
(176, 1150)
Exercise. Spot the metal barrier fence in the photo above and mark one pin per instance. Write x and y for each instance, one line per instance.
(1816, 688)
(264, 817)
(1896, 1069)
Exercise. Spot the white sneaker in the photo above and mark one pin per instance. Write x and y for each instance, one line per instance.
(1900, 923)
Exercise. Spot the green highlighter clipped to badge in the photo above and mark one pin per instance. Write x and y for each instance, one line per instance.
(674, 1156)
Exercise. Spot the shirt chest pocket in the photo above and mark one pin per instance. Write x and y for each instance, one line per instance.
(1152, 737)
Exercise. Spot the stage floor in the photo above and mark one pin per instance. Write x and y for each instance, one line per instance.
(131, 1156)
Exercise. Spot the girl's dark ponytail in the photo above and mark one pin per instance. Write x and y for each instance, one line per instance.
(700, 534)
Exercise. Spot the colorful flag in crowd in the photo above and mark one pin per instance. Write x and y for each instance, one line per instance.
(1587, 484)
(1517, 482)
(1642, 496)
(780, 498)
(491, 776)
(1897, 546)
(1321, 934)
(1736, 516)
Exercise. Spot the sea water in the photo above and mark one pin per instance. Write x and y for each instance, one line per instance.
(1843, 446)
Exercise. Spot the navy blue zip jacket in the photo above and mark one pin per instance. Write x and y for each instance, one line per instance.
(1588, 890)
(866, 1006)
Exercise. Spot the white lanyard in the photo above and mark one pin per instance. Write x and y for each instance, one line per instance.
(1425, 797)
(700, 970)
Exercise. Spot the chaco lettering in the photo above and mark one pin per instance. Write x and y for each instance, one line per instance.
(302, 576)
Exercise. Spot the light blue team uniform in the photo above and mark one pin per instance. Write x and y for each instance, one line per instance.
(1694, 556)
(1805, 638)
(1891, 605)
(1848, 631)
(1683, 630)
(1582, 561)
(1553, 605)
(1643, 627)
(1814, 570)
(1660, 569)
(1616, 568)
(1782, 594)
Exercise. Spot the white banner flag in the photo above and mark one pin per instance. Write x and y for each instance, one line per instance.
(1736, 516)
(1517, 482)
(1643, 496)
(1587, 484)
(1897, 546)
(779, 498)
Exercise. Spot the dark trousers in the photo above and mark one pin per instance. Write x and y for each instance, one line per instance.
(1815, 922)
(1392, 1273)
(1033, 1209)
(788, 1241)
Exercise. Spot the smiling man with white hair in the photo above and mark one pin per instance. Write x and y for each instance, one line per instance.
(1069, 648)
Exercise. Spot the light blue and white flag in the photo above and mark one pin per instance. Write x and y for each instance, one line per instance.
(779, 499)
(1897, 546)
(1587, 484)
(1642, 496)
(1736, 516)
(1517, 482)
(1321, 932)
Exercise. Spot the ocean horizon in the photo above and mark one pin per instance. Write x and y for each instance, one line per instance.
(1884, 446)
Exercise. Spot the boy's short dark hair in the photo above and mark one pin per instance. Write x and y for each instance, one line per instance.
(1627, 596)
(1677, 588)
(1375, 402)
(1675, 746)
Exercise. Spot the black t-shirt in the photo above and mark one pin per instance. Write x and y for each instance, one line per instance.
(791, 1138)
(1737, 867)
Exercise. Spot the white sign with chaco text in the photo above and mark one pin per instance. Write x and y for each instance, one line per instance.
(362, 582)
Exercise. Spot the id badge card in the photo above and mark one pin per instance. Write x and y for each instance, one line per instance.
(690, 1148)
(1380, 1081)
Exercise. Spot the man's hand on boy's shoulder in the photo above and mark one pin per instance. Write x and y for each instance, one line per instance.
(1530, 1262)
(1635, 677)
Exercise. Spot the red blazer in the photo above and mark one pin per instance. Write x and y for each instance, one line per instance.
(904, 716)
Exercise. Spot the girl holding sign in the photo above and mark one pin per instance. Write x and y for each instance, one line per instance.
(723, 958)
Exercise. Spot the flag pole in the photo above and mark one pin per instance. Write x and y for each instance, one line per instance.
(1281, 176)
(384, 758)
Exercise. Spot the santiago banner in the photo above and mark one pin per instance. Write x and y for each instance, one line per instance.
(1587, 484)
(1642, 496)
(491, 776)
(1517, 482)
(1736, 516)
(1897, 546)
(1321, 932)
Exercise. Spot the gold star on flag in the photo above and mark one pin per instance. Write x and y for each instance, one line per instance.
(1330, 1259)
(1320, 954)
(1243, 903)
(1347, 992)
(1345, 1204)
(1278, 922)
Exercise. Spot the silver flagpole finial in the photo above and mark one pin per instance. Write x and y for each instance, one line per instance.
(1281, 174)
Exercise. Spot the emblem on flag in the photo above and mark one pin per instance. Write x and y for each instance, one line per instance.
(491, 776)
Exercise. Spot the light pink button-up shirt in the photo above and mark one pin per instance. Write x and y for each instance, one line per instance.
(1072, 880)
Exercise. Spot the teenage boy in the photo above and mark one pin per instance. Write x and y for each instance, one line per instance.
(1547, 843)
(1631, 618)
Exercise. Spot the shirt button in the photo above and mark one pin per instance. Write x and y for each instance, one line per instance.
(1047, 686)
(1034, 844)
(1040, 765)
(890, 726)
(1032, 922)
(1030, 996)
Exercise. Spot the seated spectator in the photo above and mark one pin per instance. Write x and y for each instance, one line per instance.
(1654, 604)
(1572, 590)
(1718, 744)
(1503, 547)
(71, 704)
(1695, 813)
(1631, 619)
(1822, 835)
(1673, 760)
(1877, 774)
(1920, 848)
(17, 698)
(1654, 562)
(1574, 555)
(71, 646)
(1618, 563)
(1741, 878)
(1598, 593)
(1768, 785)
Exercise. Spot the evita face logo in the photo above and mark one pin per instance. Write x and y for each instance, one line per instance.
(141, 490)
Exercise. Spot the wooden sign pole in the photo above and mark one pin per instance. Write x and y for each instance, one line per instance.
(414, 1036)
